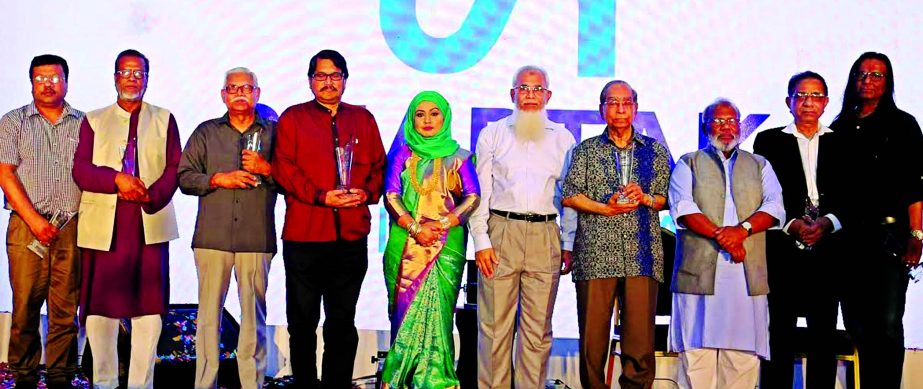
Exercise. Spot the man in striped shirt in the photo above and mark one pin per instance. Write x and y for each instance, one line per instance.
(37, 144)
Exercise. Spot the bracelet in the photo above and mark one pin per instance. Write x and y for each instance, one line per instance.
(446, 223)
(414, 228)
(652, 200)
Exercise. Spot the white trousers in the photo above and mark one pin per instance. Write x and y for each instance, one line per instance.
(251, 271)
(709, 368)
(103, 333)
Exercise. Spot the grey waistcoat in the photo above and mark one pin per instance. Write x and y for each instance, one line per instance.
(697, 256)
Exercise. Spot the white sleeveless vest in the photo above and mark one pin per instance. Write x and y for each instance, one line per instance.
(97, 210)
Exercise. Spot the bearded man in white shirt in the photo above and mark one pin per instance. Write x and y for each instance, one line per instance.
(516, 236)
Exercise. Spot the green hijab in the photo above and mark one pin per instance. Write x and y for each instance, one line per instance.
(436, 146)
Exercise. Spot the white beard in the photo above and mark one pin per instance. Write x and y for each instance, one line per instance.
(128, 96)
(529, 126)
(721, 146)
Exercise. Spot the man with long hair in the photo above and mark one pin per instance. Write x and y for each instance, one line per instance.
(883, 142)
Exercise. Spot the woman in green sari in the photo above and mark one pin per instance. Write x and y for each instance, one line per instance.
(430, 190)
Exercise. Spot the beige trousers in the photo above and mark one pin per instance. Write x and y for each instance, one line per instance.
(251, 271)
(103, 334)
(709, 368)
(525, 282)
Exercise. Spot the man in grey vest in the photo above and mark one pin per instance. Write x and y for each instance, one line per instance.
(720, 321)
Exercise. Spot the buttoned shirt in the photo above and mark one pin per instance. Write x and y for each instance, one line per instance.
(808, 149)
(235, 220)
(681, 184)
(304, 165)
(627, 244)
(516, 175)
(43, 153)
(884, 151)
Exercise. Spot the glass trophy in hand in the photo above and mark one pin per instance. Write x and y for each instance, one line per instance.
(59, 219)
(624, 172)
(253, 142)
(811, 214)
(915, 272)
(344, 155)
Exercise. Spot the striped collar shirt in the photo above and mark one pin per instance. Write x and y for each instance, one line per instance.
(43, 153)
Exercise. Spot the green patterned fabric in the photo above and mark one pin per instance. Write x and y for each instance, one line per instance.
(422, 354)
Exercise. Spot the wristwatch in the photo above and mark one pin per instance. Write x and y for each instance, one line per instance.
(918, 234)
(747, 226)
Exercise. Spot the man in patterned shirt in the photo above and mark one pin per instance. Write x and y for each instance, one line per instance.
(617, 182)
(37, 145)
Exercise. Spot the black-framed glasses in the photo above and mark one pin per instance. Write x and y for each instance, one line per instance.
(722, 121)
(336, 76)
(802, 96)
(245, 88)
(525, 89)
(127, 73)
(55, 79)
(876, 76)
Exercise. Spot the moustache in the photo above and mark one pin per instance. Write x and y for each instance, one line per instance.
(328, 88)
(240, 98)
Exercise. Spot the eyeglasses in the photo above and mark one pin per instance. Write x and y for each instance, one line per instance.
(525, 89)
(619, 103)
(802, 96)
(722, 121)
(337, 76)
(245, 88)
(876, 76)
(55, 79)
(127, 73)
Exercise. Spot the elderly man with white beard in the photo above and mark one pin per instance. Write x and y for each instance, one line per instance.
(517, 241)
(722, 199)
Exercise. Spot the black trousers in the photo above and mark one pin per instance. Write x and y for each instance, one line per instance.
(880, 332)
(332, 273)
(808, 284)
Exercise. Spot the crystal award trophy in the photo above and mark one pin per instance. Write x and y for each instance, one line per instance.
(624, 172)
(811, 214)
(344, 156)
(253, 142)
(58, 219)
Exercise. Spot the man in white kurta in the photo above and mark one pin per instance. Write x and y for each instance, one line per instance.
(721, 329)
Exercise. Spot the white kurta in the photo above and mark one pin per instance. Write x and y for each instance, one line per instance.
(731, 318)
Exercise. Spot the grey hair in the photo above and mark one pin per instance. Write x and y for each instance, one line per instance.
(242, 70)
(530, 68)
(605, 91)
(709, 113)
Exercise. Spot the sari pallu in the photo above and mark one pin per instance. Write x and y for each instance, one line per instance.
(423, 282)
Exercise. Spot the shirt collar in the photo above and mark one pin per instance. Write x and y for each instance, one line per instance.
(635, 137)
(322, 108)
(32, 110)
(791, 129)
(258, 119)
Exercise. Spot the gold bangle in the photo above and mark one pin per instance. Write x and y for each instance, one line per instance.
(414, 228)
(446, 223)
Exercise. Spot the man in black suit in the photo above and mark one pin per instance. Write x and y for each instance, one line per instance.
(806, 274)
